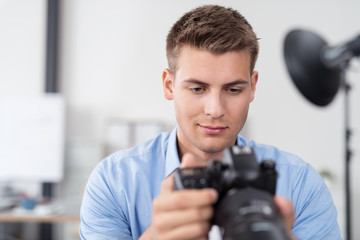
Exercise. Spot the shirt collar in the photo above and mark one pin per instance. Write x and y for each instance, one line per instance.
(172, 160)
(241, 141)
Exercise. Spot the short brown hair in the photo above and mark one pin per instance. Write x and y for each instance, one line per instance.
(212, 28)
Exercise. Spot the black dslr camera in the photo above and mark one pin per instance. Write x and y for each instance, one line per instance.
(245, 209)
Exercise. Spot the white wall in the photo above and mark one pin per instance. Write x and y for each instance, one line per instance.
(22, 51)
(113, 53)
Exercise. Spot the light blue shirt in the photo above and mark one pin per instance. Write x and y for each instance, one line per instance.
(117, 202)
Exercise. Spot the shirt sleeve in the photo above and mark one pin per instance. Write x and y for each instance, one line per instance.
(316, 216)
(101, 216)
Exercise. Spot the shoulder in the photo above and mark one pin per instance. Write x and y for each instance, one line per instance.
(298, 181)
(264, 151)
(121, 171)
(136, 157)
(295, 174)
(121, 183)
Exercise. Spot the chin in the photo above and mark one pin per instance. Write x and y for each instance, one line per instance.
(212, 148)
(215, 145)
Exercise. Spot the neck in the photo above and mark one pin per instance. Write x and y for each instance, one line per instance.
(203, 157)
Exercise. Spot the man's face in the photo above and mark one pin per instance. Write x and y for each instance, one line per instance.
(211, 94)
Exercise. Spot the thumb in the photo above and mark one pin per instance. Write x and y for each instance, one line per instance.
(168, 184)
(188, 161)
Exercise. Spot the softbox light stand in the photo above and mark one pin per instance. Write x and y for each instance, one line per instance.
(318, 71)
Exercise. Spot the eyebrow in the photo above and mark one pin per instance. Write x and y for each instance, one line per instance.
(236, 82)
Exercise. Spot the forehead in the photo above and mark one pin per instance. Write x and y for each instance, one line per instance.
(206, 66)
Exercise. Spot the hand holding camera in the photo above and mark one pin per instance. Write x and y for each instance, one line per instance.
(245, 209)
(181, 214)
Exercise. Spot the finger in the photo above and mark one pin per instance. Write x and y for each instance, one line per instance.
(170, 220)
(286, 211)
(185, 199)
(168, 184)
(198, 230)
(189, 160)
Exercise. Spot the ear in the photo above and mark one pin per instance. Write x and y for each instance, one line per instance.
(168, 80)
(254, 79)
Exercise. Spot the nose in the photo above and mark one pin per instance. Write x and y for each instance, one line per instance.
(214, 106)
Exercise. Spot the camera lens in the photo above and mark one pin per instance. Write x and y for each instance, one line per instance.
(249, 213)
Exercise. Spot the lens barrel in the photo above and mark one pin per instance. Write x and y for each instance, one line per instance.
(249, 213)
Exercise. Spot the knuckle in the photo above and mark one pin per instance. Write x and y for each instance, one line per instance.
(158, 225)
(197, 214)
(179, 200)
(205, 197)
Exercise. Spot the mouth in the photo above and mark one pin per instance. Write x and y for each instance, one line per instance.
(212, 130)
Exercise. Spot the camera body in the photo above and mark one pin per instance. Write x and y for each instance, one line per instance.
(245, 208)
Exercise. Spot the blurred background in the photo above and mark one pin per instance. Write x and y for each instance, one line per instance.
(111, 54)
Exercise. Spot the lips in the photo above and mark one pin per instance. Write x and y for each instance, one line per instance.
(213, 130)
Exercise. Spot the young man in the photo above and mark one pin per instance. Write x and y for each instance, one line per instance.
(211, 53)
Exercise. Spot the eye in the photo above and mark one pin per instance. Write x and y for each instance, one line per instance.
(197, 89)
(234, 90)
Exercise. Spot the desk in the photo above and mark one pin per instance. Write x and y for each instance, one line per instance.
(57, 218)
(45, 221)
